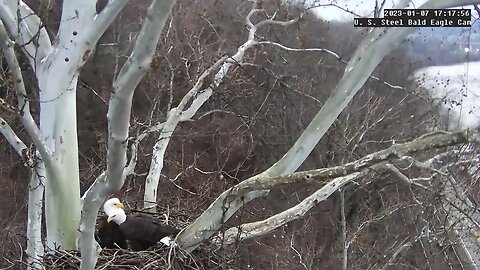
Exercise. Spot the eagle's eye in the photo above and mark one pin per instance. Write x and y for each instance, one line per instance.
(119, 205)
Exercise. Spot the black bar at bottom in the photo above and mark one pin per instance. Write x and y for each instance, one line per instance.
(412, 22)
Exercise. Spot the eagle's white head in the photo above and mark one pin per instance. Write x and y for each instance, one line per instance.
(111, 205)
(117, 215)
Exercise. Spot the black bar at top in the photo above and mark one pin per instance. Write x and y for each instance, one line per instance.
(427, 13)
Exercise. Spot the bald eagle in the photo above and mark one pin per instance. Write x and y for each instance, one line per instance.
(109, 234)
(142, 231)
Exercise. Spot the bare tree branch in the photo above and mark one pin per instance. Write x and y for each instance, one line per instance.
(23, 104)
(249, 230)
(396, 151)
(27, 30)
(174, 117)
(341, 173)
(11, 137)
(368, 55)
(283, 47)
(118, 123)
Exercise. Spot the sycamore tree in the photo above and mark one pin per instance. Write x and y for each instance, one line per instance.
(56, 65)
(56, 62)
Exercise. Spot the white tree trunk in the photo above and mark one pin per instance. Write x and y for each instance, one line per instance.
(58, 124)
(35, 249)
(56, 68)
(118, 123)
(370, 52)
(57, 75)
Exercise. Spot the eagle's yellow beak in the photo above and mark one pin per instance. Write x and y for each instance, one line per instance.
(120, 205)
(109, 219)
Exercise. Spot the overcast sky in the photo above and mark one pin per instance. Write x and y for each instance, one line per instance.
(463, 85)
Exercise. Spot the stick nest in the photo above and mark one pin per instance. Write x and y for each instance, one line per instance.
(162, 258)
(204, 257)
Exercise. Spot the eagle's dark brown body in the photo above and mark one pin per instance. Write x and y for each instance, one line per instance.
(109, 235)
(143, 231)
